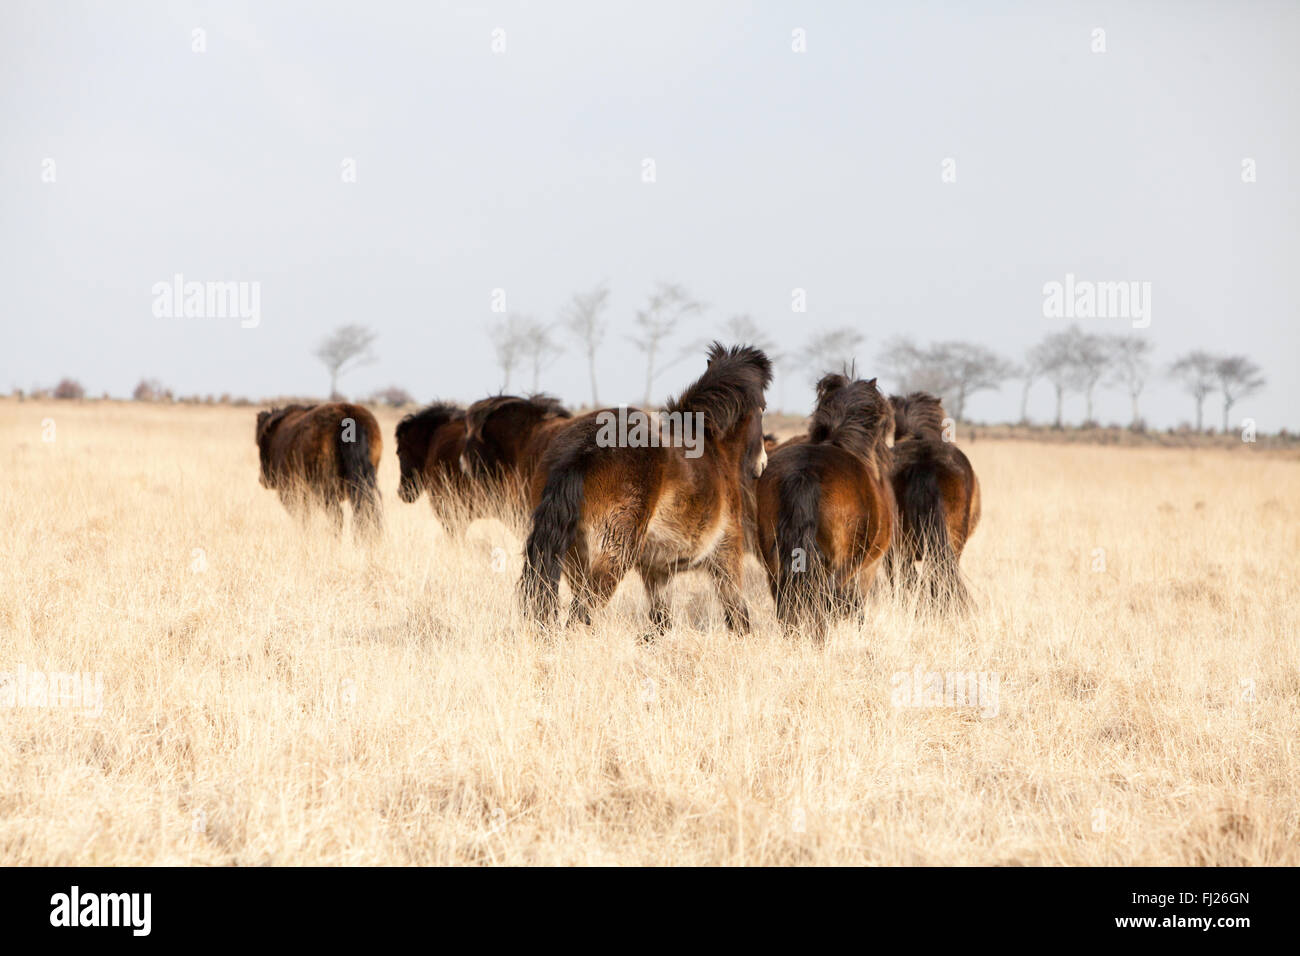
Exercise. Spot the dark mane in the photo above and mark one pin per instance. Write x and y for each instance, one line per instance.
(432, 417)
(548, 405)
(269, 418)
(279, 411)
(730, 388)
(917, 415)
(852, 415)
(830, 382)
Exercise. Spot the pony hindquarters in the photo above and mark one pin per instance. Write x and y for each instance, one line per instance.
(797, 569)
(581, 493)
(937, 498)
(359, 448)
(608, 500)
(319, 455)
(825, 514)
(823, 528)
(555, 524)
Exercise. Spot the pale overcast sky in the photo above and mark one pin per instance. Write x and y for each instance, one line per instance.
(522, 170)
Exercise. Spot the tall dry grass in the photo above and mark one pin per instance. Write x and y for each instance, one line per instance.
(274, 695)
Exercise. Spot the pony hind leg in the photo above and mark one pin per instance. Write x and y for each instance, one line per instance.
(324, 491)
(333, 509)
(603, 581)
(727, 567)
(367, 516)
(299, 501)
(900, 566)
(603, 572)
(577, 569)
(656, 578)
(947, 590)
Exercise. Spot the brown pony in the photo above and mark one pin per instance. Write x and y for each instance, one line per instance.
(825, 507)
(429, 445)
(323, 454)
(938, 501)
(505, 436)
(603, 506)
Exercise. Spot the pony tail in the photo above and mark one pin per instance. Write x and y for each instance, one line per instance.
(359, 482)
(927, 528)
(554, 527)
(800, 590)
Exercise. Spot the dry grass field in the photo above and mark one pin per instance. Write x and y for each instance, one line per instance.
(273, 695)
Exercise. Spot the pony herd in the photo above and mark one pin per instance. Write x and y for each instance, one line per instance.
(873, 483)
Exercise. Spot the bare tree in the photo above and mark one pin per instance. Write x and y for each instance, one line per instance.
(1195, 371)
(831, 351)
(394, 396)
(1091, 357)
(69, 388)
(539, 347)
(952, 371)
(347, 348)
(1238, 377)
(509, 340)
(911, 368)
(1054, 360)
(583, 317)
(970, 368)
(1028, 373)
(1131, 357)
(668, 305)
(150, 390)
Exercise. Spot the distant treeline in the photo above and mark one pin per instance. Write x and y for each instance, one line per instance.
(1070, 361)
